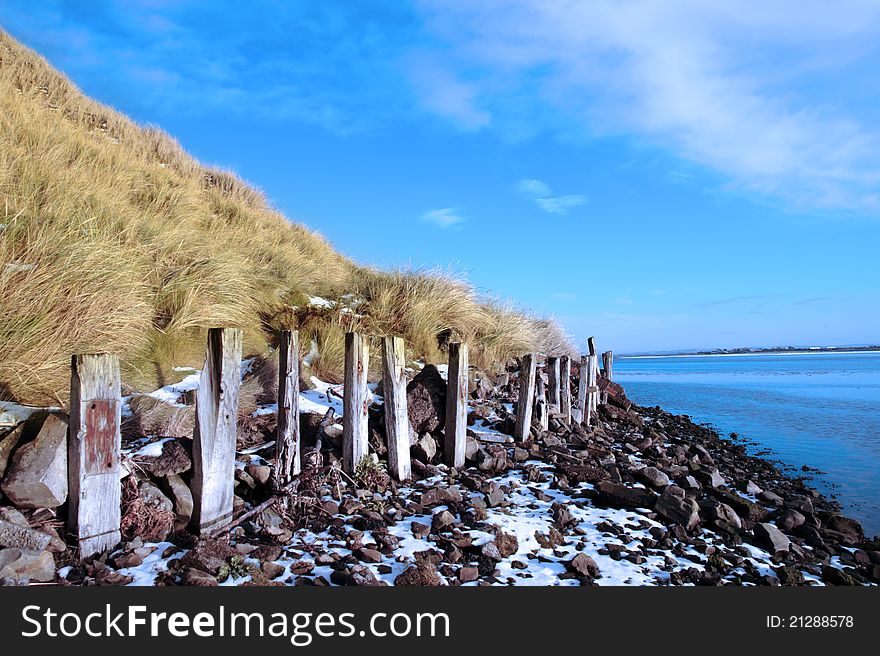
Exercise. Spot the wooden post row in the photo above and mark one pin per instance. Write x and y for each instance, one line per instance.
(287, 441)
(397, 426)
(355, 443)
(526, 394)
(455, 431)
(565, 388)
(215, 431)
(93, 450)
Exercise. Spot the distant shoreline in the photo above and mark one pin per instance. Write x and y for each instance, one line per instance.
(708, 354)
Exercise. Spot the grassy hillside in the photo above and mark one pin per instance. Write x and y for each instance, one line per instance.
(114, 239)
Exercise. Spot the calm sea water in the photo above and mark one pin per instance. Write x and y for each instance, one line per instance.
(819, 409)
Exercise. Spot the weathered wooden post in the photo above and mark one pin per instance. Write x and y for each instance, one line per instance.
(542, 413)
(455, 431)
(608, 363)
(354, 403)
(215, 431)
(554, 386)
(591, 346)
(582, 414)
(523, 424)
(593, 386)
(93, 447)
(287, 442)
(397, 425)
(565, 388)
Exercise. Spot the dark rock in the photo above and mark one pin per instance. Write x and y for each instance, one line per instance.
(676, 507)
(442, 521)
(198, 578)
(790, 519)
(583, 565)
(653, 477)
(620, 496)
(174, 459)
(209, 556)
(580, 473)
(426, 400)
(771, 537)
(425, 448)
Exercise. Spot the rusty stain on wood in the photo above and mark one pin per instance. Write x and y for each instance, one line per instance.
(100, 424)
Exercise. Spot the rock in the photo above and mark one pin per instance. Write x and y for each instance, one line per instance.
(152, 497)
(36, 477)
(174, 459)
(579, 473)
(368, 555)
(771, 537)
(802, 504)
(362, 576)
(653, 477)
(836, 576)
(425, 448)
(25, 565)
(272, 570)
(208, 555)
(743, 507)
(260, 473)
(849, 530)
(175, 489)
(495, 495)
(23, 537)
(423, 573)
(790, 520)
(419, 530)
(440, 495)
(583, 565)
(468, 573)
(711, 478)
(675, 506)
(723, 512)
(442, 521)
(506, 542)
(426, 400)
(7, 444)
(198, 578)
(471, 448)
(562, 516)
(752, 488)
(620, 496)
(770, 497)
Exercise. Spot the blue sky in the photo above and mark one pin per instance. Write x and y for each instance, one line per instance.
(663, 175)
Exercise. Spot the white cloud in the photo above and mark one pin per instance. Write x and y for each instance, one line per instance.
(443, 218)
(540, 192)
(748, 92)
(445, 94)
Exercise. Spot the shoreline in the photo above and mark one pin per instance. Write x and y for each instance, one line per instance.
(640, 497)
(732, 355)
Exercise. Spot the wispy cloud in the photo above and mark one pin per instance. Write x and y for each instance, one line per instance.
(543, 197)
(747, 94)
(443, 218)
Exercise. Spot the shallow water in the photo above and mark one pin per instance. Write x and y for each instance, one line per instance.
(821, 410)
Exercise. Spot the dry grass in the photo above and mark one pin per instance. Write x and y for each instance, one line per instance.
(114, 239)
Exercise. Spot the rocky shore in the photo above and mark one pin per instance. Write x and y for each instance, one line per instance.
(640, 497)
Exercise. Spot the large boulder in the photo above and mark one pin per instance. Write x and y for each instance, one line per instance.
(771, 537)
(37, 474)
(676, 507)
(18, 536)
(619, 496)
(426, 401)
(25, 565)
